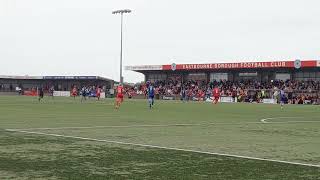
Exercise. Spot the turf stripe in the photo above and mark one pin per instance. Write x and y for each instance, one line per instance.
(262, 121)
(162, 147)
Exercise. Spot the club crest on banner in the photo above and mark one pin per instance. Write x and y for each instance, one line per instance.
(297, 64)
(173, 66)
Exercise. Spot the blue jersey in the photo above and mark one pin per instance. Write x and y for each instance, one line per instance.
(151, 91)
(83, 92)
(183, 93)
(282, 96)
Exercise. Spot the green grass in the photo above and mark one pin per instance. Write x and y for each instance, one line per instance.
(224, 128)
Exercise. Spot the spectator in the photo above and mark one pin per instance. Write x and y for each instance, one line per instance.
(247, 90)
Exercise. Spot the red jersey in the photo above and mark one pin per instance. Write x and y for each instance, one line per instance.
(216, 92)
(98, 90)
(200, 94)
(119, 90)
(74, 91)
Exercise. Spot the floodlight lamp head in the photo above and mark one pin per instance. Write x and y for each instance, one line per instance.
(123, 11)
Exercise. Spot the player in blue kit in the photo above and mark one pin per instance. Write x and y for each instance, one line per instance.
(150, 92)
(282, 98)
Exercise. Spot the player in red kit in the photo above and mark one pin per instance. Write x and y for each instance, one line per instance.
(119, 98)
(98, 92)
(74, 92)
(216, 95)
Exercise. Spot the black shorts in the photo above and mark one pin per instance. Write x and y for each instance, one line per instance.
(41, 95)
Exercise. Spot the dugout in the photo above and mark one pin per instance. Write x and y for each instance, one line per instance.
(60, 83)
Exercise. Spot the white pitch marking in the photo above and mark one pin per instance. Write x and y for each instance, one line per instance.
(271, 118)
(166, 148)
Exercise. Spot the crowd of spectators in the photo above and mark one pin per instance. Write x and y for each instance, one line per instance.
(6, 87)
(298, 92)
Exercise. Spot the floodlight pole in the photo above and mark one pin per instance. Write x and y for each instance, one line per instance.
(121, 12)
(121, 42)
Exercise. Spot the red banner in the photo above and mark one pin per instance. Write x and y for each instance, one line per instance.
(30, 93)
(242, 65)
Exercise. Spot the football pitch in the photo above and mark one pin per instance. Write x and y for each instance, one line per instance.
(62, 138)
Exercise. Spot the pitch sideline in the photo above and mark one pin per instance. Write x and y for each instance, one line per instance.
(165, 148)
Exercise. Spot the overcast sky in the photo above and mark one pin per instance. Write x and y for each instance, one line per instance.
(82, 37)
